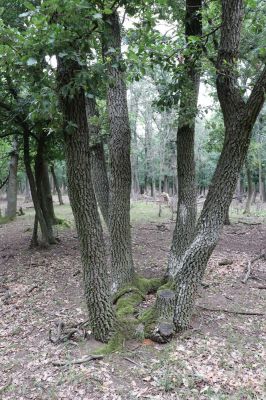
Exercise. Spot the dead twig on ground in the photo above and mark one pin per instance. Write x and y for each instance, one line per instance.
(132, 361)
(231, 311)
(77, 361)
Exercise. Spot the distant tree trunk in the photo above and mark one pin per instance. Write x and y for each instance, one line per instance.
(47, 192)
(165, 184)
(56, 184)
(83, 203)
(239, 118)
(134, 111)
(253, 201)
(98, 164)
(250, 190)
(119, 147)
(12, 181)
(187, 194)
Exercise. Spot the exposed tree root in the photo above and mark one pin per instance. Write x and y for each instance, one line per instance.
(64, 333)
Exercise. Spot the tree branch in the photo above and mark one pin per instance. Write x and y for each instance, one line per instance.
(256, 98)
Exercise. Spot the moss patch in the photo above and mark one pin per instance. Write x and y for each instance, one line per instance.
(62, 222)
(126, 305)
(146, 285)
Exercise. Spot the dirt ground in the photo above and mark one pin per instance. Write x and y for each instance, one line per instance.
(220, 357)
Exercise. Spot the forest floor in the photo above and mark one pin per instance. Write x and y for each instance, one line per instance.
(220, 357)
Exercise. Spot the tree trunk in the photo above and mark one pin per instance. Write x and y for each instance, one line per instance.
(227, 218)
(83, 203)
(98, 164)
(120, 168)
(28, 197)
(239, 118)
(12, 181)
(56, 184)
(47, 192)
(250, 190)
(39, 179)
(35, 198)
(187, 194)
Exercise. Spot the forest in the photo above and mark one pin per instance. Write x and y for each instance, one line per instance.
(132, 199)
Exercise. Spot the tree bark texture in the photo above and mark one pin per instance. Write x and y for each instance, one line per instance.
(98, 164)
(56, 184)
(239, 118)
(119, 147)
(12, 181)
(83, 202)
(187, 194)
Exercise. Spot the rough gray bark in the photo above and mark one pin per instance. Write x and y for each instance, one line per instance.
(98, 164)
(239, 118)
(83, 203)
(187, 194)
(119, 148)
(12, 181)
(56, 184)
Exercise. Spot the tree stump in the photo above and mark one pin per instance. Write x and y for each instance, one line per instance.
(164, 308)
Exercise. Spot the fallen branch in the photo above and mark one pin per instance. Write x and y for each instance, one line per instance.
(77, 361)
(231, 311)
(132, 361)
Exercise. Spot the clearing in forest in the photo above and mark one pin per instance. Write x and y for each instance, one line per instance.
(220, 357)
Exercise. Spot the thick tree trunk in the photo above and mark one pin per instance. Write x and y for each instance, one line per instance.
(56, 184)
(120, 168)
(250, 190)
(12, 181)
(83, 203)
(98, 164)
(187, 194)
(239, 118)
